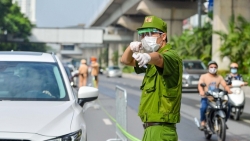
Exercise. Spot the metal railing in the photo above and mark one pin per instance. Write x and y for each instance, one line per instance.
(121, 114)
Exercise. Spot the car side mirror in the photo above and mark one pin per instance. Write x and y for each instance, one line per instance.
(87, 94)
(203, 85)
(73, 84)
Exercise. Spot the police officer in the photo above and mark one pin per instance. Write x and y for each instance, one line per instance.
(161, 87)
(83, 73)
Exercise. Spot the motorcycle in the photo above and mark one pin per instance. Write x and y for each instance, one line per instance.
(237, 99)
(215, 114)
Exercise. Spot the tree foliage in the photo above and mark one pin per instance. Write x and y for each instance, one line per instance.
(196, 44)
(14, 23)
(236, 43)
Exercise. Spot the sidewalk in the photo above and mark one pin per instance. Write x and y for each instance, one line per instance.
(140, 77)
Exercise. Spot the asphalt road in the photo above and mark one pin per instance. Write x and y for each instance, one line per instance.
(100, 127)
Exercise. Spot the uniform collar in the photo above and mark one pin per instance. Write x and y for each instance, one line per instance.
(165, 48)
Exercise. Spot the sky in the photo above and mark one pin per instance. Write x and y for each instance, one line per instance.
(64, 13)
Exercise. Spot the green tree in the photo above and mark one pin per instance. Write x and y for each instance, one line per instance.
(14, 23)
(196, 44)
(236, 43)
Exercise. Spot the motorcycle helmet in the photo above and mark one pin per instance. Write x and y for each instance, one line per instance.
(212, 62)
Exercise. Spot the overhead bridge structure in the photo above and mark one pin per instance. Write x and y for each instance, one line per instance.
(114, 26)
(129, 14)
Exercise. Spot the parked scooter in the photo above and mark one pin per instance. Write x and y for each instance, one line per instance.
(237, 99)
(215, 114)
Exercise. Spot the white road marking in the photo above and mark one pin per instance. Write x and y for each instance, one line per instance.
(107, 121)
(246, 120)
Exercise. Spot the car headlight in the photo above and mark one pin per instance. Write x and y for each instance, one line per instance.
(75, 136)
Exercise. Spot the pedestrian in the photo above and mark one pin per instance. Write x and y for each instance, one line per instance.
(160, 102)
(83, 73)
(94, 70)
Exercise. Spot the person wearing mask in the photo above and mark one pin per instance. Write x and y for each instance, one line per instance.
(94, 71)
(233, 75)
(160, 102)
(83, 73)
(212, 81)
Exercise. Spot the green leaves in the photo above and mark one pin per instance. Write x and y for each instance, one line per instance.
(236, 43)
(194, 44)
(13, 21)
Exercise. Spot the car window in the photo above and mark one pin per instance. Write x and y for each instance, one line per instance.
(31, 81)
(68, 71)
(194, 65)
(114, 68)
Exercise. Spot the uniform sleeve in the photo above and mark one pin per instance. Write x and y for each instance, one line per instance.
(170, 63)
(172, 68)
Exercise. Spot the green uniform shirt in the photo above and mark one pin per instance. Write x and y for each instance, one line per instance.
(161, 89)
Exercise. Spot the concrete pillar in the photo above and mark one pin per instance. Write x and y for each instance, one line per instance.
(174, 28)
(59, 53)
(88, 52)
(120, 52)
(112, 48)
(171, 12)
(221, 16)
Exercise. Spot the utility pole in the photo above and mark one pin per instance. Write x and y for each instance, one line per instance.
(199, 13)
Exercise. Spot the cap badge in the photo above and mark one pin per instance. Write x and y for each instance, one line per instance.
(148, 19)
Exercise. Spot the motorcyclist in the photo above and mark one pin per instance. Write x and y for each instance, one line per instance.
(233, 75)
(212, 81)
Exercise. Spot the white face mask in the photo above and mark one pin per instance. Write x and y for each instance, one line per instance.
(149, 44)
(212, 70)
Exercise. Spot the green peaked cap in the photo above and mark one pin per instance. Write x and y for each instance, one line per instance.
(153, 22)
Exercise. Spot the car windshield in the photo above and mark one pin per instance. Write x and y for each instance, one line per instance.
(194, 65)
(67, 69)
(31, 81)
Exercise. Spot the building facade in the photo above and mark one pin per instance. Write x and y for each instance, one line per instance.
(28, 8)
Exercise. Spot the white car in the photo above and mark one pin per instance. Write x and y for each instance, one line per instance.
(113, 71)
(37, 102)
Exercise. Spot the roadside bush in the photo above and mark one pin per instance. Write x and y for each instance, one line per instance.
(128, 69)
(246, 78)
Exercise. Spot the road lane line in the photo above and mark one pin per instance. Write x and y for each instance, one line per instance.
(107, 121)
(246, 120)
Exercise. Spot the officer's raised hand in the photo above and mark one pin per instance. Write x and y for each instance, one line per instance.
(142, 59)
(135, 46)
